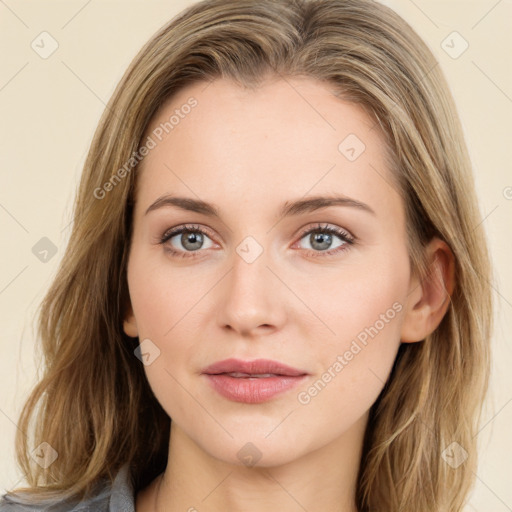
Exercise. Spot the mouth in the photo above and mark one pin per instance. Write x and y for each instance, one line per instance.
(252, 382)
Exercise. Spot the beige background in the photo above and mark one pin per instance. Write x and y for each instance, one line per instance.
(49, 110)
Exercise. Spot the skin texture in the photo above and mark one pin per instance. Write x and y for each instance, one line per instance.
(248, 152)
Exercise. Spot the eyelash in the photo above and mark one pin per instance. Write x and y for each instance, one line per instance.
(345, 237)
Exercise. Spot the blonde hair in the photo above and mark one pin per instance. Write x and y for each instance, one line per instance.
(93, 404)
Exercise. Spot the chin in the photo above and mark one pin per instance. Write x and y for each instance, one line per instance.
(255, 452)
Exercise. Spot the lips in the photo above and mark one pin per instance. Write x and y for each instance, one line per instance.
(258, 368)
(252, 382)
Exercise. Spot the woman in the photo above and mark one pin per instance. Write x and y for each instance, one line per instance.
(275, 294)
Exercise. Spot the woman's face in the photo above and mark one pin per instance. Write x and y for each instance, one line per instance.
(251, 283)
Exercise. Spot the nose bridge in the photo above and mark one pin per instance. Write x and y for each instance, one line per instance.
(249, 299)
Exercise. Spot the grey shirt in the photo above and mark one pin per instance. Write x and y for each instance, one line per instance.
(118, 497)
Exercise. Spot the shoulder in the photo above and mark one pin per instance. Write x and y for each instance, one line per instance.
(117, 497)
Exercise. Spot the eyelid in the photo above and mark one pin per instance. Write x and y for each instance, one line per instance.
(176, 230)
(341, 232)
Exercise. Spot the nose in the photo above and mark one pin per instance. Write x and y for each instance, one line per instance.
(251, 300)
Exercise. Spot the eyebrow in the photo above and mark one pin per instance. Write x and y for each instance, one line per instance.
(289, 208)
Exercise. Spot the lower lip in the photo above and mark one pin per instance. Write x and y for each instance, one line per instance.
(252, 390)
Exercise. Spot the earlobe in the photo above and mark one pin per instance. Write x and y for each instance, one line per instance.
(130, 324)
(429, 300)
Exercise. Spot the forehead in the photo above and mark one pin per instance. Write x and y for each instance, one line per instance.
(249, 147)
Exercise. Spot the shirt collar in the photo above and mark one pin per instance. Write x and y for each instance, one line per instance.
(122, 498)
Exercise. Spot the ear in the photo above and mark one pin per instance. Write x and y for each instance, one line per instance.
(428, 300)
(129, 323)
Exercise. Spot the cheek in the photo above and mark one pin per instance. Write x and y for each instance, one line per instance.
(344, 304)
(166, 304)
(354, 366)
(361, 314)
(162, 296)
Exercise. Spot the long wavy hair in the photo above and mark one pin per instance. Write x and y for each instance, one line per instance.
(93, 404)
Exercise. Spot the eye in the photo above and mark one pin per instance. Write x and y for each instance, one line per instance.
(188, 239)
(320, 240)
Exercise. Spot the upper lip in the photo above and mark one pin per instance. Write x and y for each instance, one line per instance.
(255, 367)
